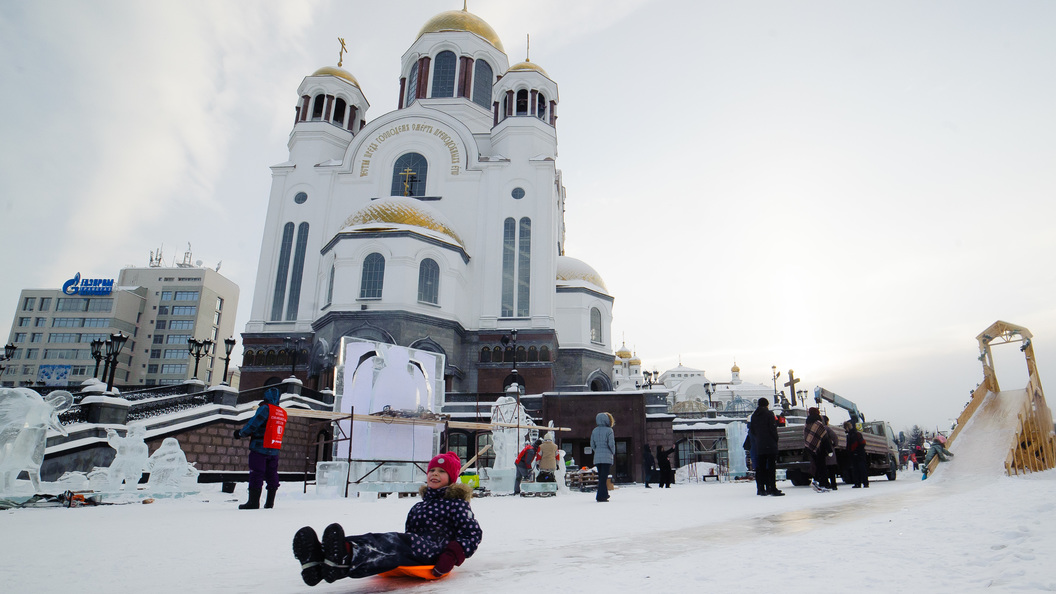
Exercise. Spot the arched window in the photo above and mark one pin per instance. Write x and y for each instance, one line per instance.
(459, 444)
(412, 84)
(330, 285)
(444, 74)
(282, 271)
(339, 112)
(429, 281)
(298, 271)
(487, 459)
(496, 355)
(269, 359)
(247, 358)
(280, 359)
(533, 353)
(516, 267)
(595, 325)
(505, 105)
(522, 355)
(524, 267)
(482, 84)
(522, 102)
(317, 108)
(544, 353)
(508, 355)
(409, 175)
(260, 359)
(540, 107)
(373, 277)
(485, 355)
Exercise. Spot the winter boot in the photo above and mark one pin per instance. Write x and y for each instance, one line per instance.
(337, 557)
(309, 553)
(254, 500)
(270, 501)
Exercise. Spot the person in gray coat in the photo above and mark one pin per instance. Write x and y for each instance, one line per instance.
(603, 444)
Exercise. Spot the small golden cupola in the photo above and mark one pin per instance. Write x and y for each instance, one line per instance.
(332, 95)
(527, 90)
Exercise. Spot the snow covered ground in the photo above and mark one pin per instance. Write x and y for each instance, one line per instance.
(949, 533)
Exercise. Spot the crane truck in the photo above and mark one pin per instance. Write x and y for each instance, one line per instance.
(881, 450)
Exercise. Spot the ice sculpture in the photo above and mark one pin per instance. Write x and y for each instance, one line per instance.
(560, 474)
(169, 471)
(735, 434)
(25, 418)
(131, 458)
(506, 441)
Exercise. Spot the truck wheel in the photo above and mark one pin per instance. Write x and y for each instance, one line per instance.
(798, 478)
(893, 473)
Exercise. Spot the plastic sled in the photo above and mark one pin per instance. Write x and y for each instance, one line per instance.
(422, 572)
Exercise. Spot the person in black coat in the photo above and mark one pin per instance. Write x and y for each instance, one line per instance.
(667, 476)
(763, 433)
(648, 464)
(859, 460)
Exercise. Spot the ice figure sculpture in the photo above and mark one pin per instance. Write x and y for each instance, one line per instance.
(131, 458)
(169, 471)
(506, 441)
(735, 434)
(396, 381)
(560, 474)
(25, 418)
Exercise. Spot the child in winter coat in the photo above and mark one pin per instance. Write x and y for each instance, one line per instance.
(440, 531)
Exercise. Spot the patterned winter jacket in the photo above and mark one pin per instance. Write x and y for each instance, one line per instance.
(815, 437)
(443, 515)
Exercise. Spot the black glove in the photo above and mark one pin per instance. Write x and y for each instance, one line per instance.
(238, 434)
(451, 556)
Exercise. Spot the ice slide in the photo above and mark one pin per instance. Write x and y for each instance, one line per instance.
(1009, 431)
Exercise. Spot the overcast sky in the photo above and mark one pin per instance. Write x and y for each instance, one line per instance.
(850, 190)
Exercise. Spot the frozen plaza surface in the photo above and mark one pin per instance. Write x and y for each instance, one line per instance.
(958, 535)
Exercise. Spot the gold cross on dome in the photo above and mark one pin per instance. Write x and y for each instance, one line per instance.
(341, 54)
(407, 174)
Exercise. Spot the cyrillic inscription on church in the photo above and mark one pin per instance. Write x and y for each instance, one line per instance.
(441, 134)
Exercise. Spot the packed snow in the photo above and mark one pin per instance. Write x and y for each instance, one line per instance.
(957, 534)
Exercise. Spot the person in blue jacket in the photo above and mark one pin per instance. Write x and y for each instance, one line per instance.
(603, 444)
(265, 431)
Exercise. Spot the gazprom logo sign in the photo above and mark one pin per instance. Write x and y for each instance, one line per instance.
(88, 286)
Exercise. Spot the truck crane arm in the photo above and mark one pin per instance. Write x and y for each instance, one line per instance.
(851, 408)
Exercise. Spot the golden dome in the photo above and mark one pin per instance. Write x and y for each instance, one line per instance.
(623, 353)
(462, 20)
(636, 361)
(571, 269)
(339, 73)
(735, 369)
(527, 66)
(618, 361)
(387, 213)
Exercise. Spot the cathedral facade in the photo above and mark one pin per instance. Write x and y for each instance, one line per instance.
(438, 226)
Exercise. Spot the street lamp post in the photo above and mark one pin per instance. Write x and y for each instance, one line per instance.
(292, 348)
(777, 374)
(97, 354)
(198, 349)
(9, 353)
(229, 345)
(113, 349)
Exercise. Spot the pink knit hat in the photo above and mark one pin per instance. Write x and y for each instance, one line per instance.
(449, 462)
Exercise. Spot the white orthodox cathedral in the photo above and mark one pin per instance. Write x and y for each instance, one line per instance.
(437, 225)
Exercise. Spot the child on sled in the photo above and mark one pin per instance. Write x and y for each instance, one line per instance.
(440, 531)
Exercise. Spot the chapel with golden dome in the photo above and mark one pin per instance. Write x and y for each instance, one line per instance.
(437, 225)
